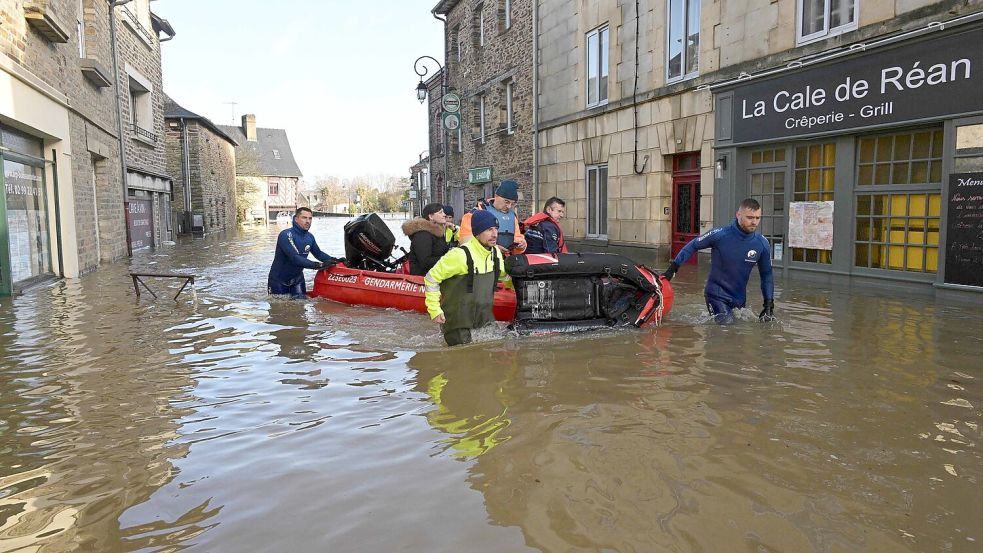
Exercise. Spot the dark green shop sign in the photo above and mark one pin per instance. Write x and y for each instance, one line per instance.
(479, 175)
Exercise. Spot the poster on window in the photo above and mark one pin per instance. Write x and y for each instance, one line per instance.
(810, 225)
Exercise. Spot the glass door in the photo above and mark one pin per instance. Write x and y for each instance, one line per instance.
(26, 216)
(685, 218)
(5, 284)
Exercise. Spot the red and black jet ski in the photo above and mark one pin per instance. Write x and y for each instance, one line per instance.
(571, 292)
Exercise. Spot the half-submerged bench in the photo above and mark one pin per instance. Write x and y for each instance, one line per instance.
(188, 279)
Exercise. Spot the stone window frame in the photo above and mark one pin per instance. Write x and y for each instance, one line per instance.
(505, 16)
(827, 12)
(457, 44)
(602, 34)
(478, 29)
(683, 20)
(80, 27)
(510, 106)
(141, 92)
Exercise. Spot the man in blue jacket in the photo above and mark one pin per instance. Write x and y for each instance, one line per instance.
(735, 249)
(292, 248)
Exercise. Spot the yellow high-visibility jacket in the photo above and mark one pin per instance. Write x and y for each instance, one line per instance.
(454, 263)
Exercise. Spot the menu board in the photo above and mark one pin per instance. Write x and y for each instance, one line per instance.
(964, 230)
(140, 220)
(810, 225)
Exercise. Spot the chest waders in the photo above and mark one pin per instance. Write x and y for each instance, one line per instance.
(467, 301)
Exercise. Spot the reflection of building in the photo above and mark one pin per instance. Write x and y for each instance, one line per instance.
(265, 156)
(489, 64)
(61, 112)
(201, 157)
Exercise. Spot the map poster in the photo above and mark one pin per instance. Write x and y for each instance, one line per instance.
(810, 225)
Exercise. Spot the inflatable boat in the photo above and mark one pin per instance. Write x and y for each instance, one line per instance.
(553, 293)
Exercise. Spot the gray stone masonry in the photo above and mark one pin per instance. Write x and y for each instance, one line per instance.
(211, 165)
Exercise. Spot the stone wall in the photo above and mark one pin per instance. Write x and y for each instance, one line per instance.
(211, 168)
(484, 71)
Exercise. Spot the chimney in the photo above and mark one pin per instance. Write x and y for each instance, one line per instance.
(249, 127)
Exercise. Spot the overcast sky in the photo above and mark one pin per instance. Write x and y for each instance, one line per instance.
(336, 74)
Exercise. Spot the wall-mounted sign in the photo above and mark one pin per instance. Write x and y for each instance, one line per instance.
(479, 175)
(412, 194)
(451, 102)
(931, 78)
(451, 121)
(964, 230)
(810, 225)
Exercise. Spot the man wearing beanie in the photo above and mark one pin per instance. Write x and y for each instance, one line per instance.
(502, 206)
(460, 288)
(452, 232)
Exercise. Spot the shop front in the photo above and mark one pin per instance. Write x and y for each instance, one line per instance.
(868, 161)
(25, 247)
(148, 209)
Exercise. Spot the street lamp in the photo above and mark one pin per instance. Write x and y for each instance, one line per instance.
(421, 94)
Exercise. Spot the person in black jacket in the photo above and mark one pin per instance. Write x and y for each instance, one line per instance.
(427, 240)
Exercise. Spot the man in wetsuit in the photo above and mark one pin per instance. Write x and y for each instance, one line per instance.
(735, 249)
(292, 248)
(460, 288)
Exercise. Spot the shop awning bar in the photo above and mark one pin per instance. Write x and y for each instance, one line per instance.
(137, 281)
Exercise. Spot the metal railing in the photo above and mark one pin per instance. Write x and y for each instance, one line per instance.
(144, 133)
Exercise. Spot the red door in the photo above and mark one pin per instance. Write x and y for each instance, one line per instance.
(685, 201)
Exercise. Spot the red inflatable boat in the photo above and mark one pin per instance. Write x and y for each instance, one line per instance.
(378, 289)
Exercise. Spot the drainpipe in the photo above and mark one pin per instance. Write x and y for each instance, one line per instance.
(186, 169)
(634, 102)
(535, 106)
(444, 84)
(119, 120)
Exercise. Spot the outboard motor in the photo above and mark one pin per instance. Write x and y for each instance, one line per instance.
(369, 243)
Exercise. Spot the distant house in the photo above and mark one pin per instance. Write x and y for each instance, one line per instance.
(201, 158)
(264, 157)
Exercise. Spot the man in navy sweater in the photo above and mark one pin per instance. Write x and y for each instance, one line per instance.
(292, 248)
(735, 249)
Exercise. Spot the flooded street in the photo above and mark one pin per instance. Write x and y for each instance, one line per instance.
(230, 422)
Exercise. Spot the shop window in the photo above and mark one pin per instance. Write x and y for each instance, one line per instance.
(597, 201)
(969, 149)
(903, 158)
(683, 37)
(769, 155)
(814, 177)
(898, 232)
(818, 19)
(597, 67)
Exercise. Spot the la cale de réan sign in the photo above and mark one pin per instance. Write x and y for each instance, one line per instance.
(927, 79)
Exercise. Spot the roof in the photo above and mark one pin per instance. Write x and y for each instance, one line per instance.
(445, 6)
(172, 110)
(272, 148)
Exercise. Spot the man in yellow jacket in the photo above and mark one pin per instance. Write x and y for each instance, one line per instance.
(460, 288)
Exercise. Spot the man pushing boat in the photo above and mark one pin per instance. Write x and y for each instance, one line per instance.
(460, 288)
(292, 248)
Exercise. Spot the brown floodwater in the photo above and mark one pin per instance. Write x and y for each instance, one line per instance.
(227, 421)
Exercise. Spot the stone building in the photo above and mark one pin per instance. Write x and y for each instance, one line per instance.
(489, 64)
(63, 193)
(201, 157)
(264, 157)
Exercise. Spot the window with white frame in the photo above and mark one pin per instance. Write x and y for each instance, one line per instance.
(509, 122)
(683, 39)
(597, 201)
(507, 7)
(80, 27)
(479, 26)
(597, 66)
(822, 18)
(141, 110)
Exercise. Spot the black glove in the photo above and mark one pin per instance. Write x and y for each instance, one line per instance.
(318, 265)
(671, 271)
(768, 313)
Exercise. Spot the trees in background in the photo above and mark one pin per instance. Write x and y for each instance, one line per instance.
(363, 194)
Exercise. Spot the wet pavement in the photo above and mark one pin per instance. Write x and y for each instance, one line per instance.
(227, 421)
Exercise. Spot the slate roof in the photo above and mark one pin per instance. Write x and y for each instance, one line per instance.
(268, 140)
(172, 110)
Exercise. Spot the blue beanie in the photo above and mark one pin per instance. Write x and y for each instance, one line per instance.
(509, 189)
(481, 221)
(449, 210)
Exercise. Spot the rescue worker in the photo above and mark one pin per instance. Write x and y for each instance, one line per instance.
(452, 232)
(427, 242)
(460, 288)
(735, 249)
(542, 230)
(502, 206)
(293, 245)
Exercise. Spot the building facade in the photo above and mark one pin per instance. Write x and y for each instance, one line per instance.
(264, 159)
(863, 140)
(489, 65)
(201, 157)
(62, 211)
